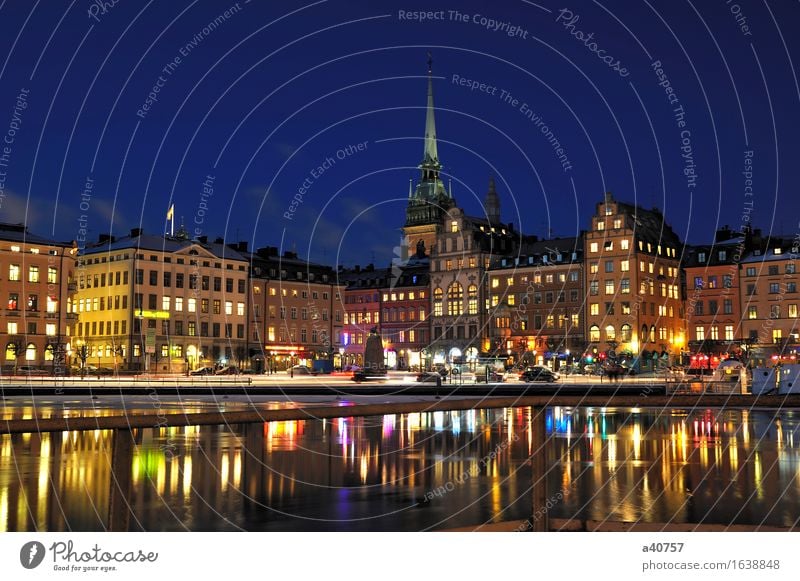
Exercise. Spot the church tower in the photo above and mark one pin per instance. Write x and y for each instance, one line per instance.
(492, 204)
(428, 203)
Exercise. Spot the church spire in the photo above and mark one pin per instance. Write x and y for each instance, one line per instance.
(492, 204)
(431, 155)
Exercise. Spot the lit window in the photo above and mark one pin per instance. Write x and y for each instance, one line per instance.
(699, 333)
(594, 309)
(594, 333)
(601, 225)
(179, 304)
(454, 226)
(165, 303)
(624, 265)
(192, 305)
(13, 272)
(623, 244)
(593, 247)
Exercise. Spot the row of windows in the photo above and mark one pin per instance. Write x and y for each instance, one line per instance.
(713, 307)
(456, 332)
(108, 328)
(537, 278)
(13, 328)
(549, 298)
(713, 282)
(34, 274)
(389, 315)
(304, 314)
(294, 293)
(625, 335)
(459, 263)
(204, 282)
(713, 333)
(551, 321)
(774, 288)
(32, 304)
(624, 244)
(772, 269)
(285, 334)
(775, 311)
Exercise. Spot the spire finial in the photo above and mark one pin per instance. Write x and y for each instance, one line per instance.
(430, 63)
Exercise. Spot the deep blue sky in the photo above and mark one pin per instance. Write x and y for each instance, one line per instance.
(280, 86)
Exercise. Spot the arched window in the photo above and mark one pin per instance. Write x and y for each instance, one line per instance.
(30, 352)
(455, 299)
(438, 294)
(472, 299)
(653, 334)
(611, 333)
(625, 333)
(643, 336)
(594, 333)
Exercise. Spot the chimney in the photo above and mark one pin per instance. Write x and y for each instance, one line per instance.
(202, 239)
(608, 198)
(105, 238)
(219, 240)
(241, 246)
(136, 232)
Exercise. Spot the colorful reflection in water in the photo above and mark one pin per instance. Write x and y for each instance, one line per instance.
(415, 471)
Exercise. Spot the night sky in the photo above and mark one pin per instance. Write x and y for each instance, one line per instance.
(251, 102)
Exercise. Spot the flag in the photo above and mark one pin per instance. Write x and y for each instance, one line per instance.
(170, 212)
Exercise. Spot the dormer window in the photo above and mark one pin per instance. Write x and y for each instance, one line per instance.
(701, 257)
(777, 251)
(601, 225)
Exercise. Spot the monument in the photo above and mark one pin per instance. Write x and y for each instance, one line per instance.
(374, 366)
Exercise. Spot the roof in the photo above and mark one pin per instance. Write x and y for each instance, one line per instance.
(155, 243)
(19, 233)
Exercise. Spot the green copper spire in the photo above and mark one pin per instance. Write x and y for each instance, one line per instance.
(431, 155)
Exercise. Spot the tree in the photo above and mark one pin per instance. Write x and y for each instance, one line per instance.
(16, 348)
(83, 354)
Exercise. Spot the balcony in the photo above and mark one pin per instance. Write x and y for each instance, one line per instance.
(51, 315)
(12, 313)
(72, 316)
(72, 287)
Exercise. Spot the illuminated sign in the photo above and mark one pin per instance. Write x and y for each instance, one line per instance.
(153, 314)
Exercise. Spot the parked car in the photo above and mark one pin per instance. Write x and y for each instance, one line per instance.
(229, 370)
(429, 377)
(299, 370)
(94, 370)
(30, 370)
(202, 371)
(539, 373)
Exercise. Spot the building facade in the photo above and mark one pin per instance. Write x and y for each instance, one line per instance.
(37, 284)
(160, 304)
(769, 299)
(633, 285)
(537, 303)
(296, 311)
(713, 306)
